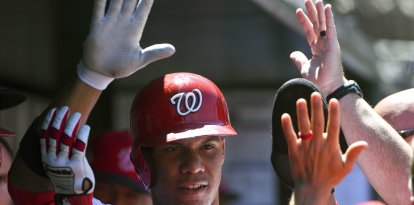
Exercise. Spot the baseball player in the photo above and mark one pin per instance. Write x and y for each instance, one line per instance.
(177, 122)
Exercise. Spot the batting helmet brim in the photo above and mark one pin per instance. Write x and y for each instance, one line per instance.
(10, 98)
(205, 130)
(6, 133)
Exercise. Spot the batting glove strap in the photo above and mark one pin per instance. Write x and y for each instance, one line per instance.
(84, 199)
(65, 182)
(92, 78)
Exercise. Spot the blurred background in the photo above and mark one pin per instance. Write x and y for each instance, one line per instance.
(241, 45)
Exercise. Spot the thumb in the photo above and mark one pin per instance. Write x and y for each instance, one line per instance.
(298, 58)
(352, 153)
(157, 52)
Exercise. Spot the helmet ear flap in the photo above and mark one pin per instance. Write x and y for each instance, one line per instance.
(141, 166)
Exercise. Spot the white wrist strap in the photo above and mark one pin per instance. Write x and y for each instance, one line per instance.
(92, 78)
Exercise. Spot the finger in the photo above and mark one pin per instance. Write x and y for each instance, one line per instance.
(128, 7)
(114, 7)
(299, 59)
(141, 13)
(69, 134)
(307, 26)
(313, 15)
(302, 117)
(79, 147)
(289, 133)
(334, 125)
(321, 16)
(43, 132)
(330, 24)
(98, 10)
(318, 118)
(157, 52)
(55, 132)
(352, 153)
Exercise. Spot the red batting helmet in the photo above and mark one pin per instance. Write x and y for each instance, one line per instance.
(111, 162)
(173, 107)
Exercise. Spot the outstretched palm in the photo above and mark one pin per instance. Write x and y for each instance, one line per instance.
(112, 47)
(324, 68)
(317, 161)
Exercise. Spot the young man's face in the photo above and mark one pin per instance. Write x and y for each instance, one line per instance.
(188, 171)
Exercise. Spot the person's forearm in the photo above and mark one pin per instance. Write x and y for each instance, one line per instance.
(80, 97)
(387, 160)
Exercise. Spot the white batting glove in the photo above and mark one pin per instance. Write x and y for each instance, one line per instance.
(63, 153)
(112, 49)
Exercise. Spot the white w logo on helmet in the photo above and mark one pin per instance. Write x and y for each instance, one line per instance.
(192, 102)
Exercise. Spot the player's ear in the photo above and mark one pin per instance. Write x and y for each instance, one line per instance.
(223, 145)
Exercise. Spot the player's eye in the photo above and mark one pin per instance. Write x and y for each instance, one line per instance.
(172, 148)
(208, 146)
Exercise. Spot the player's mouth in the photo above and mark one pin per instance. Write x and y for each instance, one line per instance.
(194, 188)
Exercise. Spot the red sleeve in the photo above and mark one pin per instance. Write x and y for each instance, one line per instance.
(22, 197)
(81, 199)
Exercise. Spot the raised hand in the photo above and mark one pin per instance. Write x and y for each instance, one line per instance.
(112, 47)
(324, 68)
(316, 160)
(63, 153)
